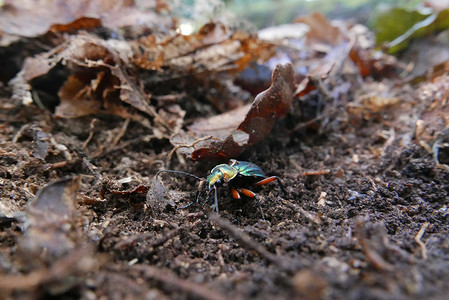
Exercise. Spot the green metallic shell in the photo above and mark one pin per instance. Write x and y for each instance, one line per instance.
(226, 172)
(221, 172)
(245, 168)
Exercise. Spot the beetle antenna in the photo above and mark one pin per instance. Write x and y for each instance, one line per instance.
(180, 173)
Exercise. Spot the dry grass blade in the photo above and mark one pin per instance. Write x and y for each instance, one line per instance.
(418, 237)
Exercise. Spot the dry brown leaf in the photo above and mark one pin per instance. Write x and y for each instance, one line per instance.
(34, 18)
(321, 31)
(372, 100)
(100, 78)
(212, 49)
(76, 100)
(234, 131)
(435, 117)
(81, 23)
(374, 63)
(49, 217)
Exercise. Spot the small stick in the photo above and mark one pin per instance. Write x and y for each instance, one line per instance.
(57, 165)
(317, 172)
(166, 276)
(169, 156)
(372, 256)
(61, 147)
(246, 240)
(93, 123)
(305, 213)
(92, 169)
(121, 132)
(418, 237)
(19, 133)
(155, 243)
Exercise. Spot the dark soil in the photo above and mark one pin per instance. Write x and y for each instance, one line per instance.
(350, 232)
(363, 158)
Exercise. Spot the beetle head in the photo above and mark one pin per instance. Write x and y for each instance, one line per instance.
(220, 175)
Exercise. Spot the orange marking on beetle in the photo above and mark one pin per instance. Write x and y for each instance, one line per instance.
(248, 193)
(235, 194)
(266, 180)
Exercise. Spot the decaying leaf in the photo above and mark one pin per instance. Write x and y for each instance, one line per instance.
(435, 117)
(103, 75)
(49, 219)
(157, 197)
(430, 59)
(377, 98)
(100, 78)
(374, 63)
(321, 33)
(140, 189)
(213, 48)
(234, 131)
(34, 18)
(78, 24)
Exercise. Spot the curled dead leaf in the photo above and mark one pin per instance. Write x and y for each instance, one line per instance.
(234, 131)
(212, 49)
(49, 219)
(321, 32)
(374, 63)
(81, 23)
(369, 102)
(34, 18)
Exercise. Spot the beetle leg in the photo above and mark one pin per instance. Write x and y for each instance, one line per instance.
(271, 179)
(266, 180)
(251, 194)
(216, 201)
(215, 196)
(248, 193)
(185, 206)
(235, 193)
(197, 198)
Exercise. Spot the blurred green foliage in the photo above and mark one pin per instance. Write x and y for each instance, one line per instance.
(265, 13)
(397, 27)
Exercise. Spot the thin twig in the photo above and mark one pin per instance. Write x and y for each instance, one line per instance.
(61, 147)
(247, 242)
(155, 243)
(19, 133)
(93, 123)
(418, 237)
(92, 168)
(121, 132)
(305, 213)
(372, 256)
(316, 172)
(166, 276)
(169, 156)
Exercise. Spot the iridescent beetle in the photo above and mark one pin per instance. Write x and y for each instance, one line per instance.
(236, 175)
